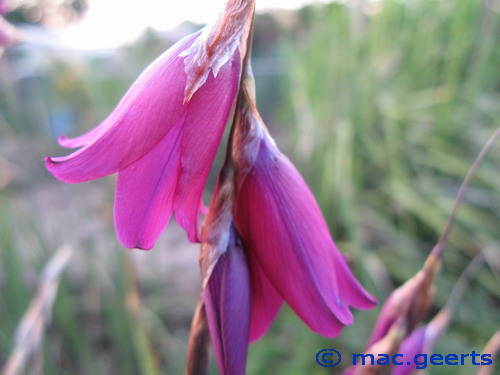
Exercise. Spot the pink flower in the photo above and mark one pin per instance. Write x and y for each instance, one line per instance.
(161, 139)
(291, 253)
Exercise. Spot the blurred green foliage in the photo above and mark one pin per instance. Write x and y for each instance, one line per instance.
(382, 106)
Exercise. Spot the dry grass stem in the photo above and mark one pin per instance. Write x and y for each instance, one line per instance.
(29, 334)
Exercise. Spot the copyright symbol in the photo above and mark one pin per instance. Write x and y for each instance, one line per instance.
(328, 358)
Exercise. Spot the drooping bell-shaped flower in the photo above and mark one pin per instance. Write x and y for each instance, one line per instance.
(287, 238)
(163, 135)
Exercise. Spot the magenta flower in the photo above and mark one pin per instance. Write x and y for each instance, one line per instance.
(161, 139)
(291, 253)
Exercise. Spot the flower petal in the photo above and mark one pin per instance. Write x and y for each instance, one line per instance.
(350, 289)
(206, 119)
(145, 192)
(147, 112)
(281, 223)
(86, 138)
(227, 305)
(266, 302)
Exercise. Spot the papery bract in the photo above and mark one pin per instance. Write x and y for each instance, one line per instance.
(218, 43)
(161, 145)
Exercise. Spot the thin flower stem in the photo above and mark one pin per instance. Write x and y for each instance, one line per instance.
(438, 248)
(465, 277)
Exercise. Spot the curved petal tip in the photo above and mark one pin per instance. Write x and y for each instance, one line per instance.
(52, 164)
(64, 141)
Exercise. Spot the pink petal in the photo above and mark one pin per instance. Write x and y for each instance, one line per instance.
(266, 302)
(147, 112)
(86, 138)
(227, 305)
(145, 192)
(207, 116)
(350, 289)
(281, 223)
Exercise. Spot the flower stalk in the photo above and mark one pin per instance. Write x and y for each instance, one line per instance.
(198, 353)
(413, 299)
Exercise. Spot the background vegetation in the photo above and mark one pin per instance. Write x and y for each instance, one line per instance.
(382, 105)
